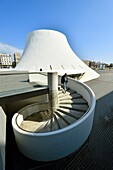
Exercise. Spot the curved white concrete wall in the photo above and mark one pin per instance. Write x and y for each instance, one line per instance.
(84, 90)
(2, 138)
(49, 50)
(60, 143)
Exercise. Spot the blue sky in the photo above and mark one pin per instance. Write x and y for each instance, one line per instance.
(87, 24)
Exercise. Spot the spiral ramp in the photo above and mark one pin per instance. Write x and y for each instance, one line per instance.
(71, 107)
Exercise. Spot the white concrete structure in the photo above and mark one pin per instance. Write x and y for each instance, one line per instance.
(53, 145)
(2, 138)
(49, 50)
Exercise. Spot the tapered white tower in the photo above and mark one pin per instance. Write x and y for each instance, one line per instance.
(49, 50)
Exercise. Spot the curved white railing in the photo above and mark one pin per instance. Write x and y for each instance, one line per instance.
(57, 144)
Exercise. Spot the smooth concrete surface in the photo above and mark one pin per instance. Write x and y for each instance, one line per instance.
(53, 81)
(102, 85)
(16, 87)
(53, 91)
(2, 138)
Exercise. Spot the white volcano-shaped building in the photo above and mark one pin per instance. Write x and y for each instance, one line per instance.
(49, 50)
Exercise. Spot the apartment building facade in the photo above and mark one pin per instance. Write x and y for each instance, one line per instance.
(16, 58)
(5, 60)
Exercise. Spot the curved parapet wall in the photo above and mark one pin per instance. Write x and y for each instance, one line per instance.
(49, 50)
(48, 146)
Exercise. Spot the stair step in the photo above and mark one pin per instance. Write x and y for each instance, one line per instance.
(45, 128)
(59, 92)
(68, 96)
(72, 113)
(63, 94)
(61, 123)
(71, 91)
(32, 126)
(65, 118)
(78, 101)
(55, 124)
(75, 95)
(73, 106)
(70, 117)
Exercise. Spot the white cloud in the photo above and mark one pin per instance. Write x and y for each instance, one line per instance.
(5, 48)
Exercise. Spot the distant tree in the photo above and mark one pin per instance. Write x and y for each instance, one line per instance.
(90, 63)
(13, 64)
(111, 65)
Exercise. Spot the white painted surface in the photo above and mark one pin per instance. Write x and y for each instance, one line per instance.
(39, 78)
(49, 50)
(84, 90)
(53, 81)
(2, 138)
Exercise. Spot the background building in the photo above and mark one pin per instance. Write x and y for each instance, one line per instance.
(5, 60)
(97, 65)
(16, 58)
